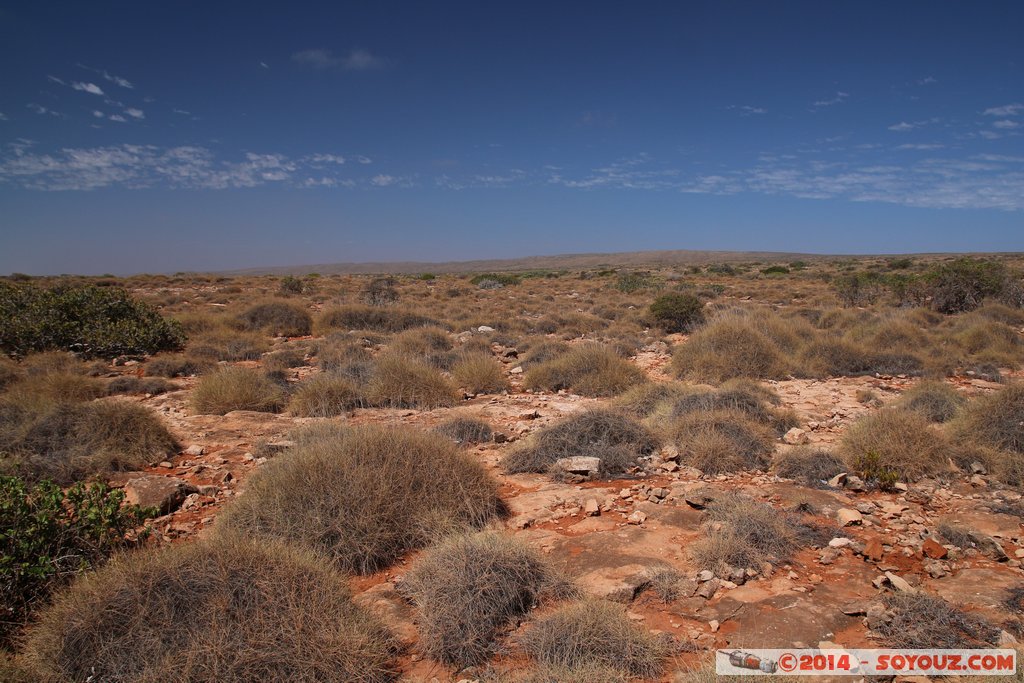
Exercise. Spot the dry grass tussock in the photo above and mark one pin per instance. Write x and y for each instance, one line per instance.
(470, 588)
(465, 430)
(995, 420)
(729, 346)
(324, 395)
(229, 610)
(479, 373)
(925, 621)
(68, 442)
(400, 381)
(588, 370)
(377, 318)
(237, 388)
(893, 445)
(934, 399)
(743, 395)
(594, 633)
(178, 365)
(742, 533)
(228, 345)
(809, 466)
(721, 440)
(614, 437)
(277, 317)
(364, 496)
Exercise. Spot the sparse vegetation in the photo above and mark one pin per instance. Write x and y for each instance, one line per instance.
(237, 388)
(893, 445)
(995, 420)
(400, 381)
(588, 370)
(594, 633)
(810, 466)
(465, 430)
(229, 610)
(728, 347)
(613, 437)
(363, 496)
(370, 318)
(935, 400)
(479, 374)
(918, 620)
(721, 440)
(470, 588)
(281, 318)
(324, 395)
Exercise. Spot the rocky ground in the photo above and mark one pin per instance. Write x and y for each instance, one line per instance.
(614, 537)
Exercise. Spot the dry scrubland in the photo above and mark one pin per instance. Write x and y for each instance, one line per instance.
(596, 475)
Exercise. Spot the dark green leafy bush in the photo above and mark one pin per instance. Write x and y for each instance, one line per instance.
(678, 312)
(48, 535)
(962, 285)
(91, 321)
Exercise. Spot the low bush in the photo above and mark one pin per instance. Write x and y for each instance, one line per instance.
(809, 466)
(587, 370)
(227, 610)
(677, 312)
(324, 395)
(345, 357)
(543, 352)
(50, 535)
(479, 374)
(280, 318)
(935, 400)
(178, 365)
(918, 621)
(893, 445)
(370, 318)
(9, 372)
(70, 441)
(644, 399)
(284, 360)
(407, 382)
(594, 633)
(963, 284)
(470, 588)
(742, 533)
(995, 420)
(465, 430)
(228, 345)
(237, 388)
(744, 396)
(130, 384)
(364, 496)
(422, 341)
(728, 347)
(721, 440)
(91, 321)
(614, 437)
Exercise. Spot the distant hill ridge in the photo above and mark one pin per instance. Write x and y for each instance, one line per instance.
(677, 257)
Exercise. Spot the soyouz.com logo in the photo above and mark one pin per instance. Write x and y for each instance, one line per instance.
(810, 662)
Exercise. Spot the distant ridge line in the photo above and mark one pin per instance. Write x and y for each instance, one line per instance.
(680, 257)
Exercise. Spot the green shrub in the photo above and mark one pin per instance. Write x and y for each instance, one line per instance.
(470, 588)
(48, 535)
(678, 312)
(226, 610)
(237, 388)
(291, 285)
(962, 285)
(634, 282)
(364, 496)
(490, 280)
(92, 321)
(858, 289)
(281, 318)
(775, 270)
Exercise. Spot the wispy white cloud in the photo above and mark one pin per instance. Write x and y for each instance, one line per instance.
(3, 116)
(43, 111)
(117, 80)
(182, 167)
(747, 110)
(357, 59)
(182, 112)
(118, 118)
(904, 126)
(90, 88)
(1015, 109)
(264, 65)
(839, 98)
(921, 146)
(927, 80)
(135, 113)
(1006, 124)
(54, 79)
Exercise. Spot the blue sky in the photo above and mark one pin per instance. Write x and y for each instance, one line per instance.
(195, 136)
